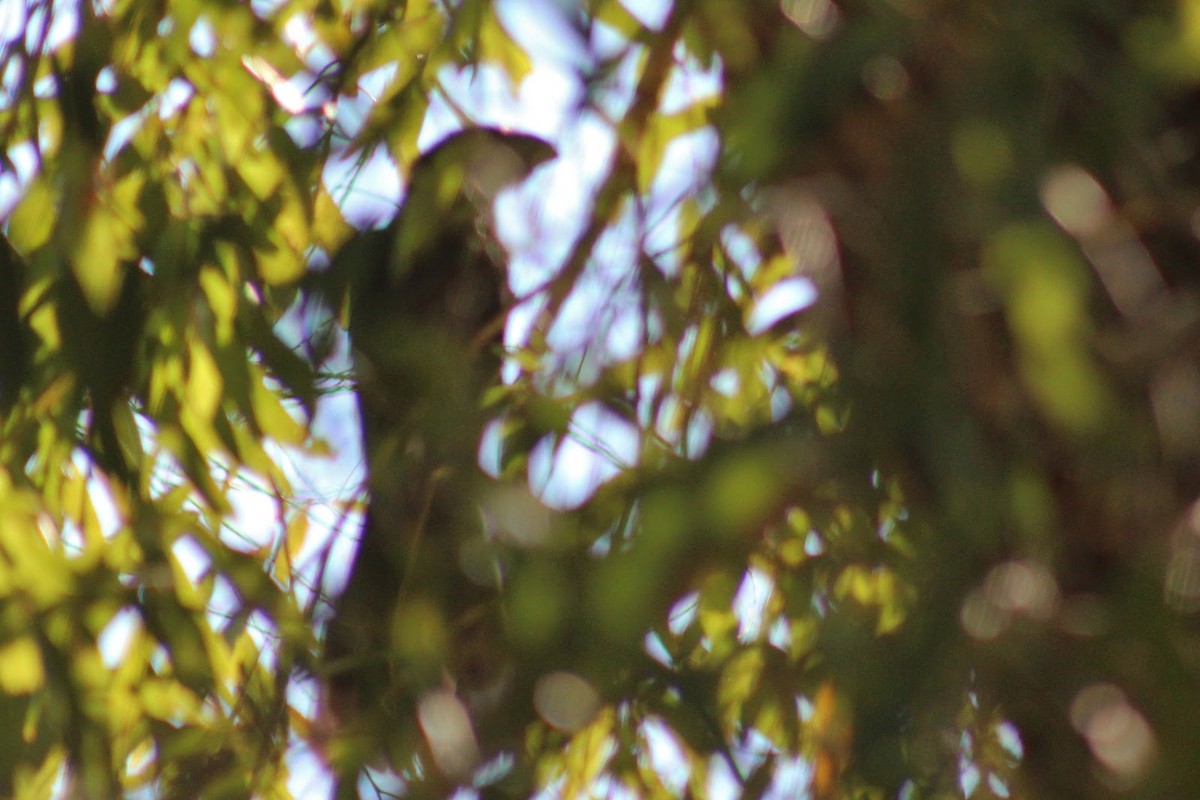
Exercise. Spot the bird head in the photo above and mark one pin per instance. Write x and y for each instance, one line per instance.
(476, 164)
(448, 209)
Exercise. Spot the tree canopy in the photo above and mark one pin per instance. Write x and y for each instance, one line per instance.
(846, 442)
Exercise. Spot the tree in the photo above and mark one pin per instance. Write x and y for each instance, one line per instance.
(931, 534)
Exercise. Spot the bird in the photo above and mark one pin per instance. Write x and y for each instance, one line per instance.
(425, 297)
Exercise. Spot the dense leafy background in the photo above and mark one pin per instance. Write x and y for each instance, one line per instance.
(931, 535)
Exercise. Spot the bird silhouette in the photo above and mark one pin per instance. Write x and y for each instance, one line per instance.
(426, 311)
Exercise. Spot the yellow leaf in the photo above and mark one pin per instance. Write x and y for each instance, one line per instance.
(589, 753)
(222, 299)
(329, 227)
(717, 624)
(279, 264)
(189, 594)
(855, 582)
(261, 172)
(31, 565)
(124, 200)
(77, 507)
(661, 132)
(97, 260)
(497, 47)
(236, 115)
(292, 221)
(273, 418)
(251, 453)
(891, 617)
(804, 633)
(87, 668)
(220, 656)
(740, 678)
(43, 781)
(246, 655)
(43, 317)
(204, 382)
(141, 762)
(167, 699)
(21, 668)
(33, 220)
(615, 15)
(297, 533)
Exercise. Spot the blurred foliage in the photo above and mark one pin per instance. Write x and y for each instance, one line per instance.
(931, 535)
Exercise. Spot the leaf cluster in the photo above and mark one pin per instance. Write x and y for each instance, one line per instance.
(927, 532)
